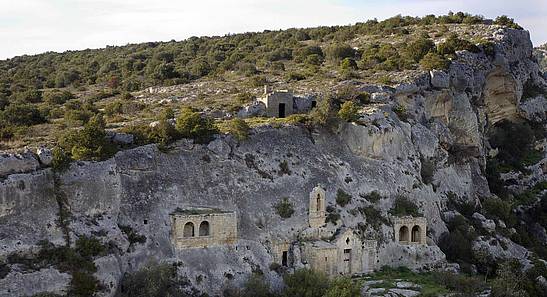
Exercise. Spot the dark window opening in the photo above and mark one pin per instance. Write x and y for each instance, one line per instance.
(313, 104)
(281, 110)
(204, 228)
(145, 222)
(285, 258)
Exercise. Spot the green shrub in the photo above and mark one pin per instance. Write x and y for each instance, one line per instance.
(190, 124)
(457, 243)
(343, 287)
(320, 115)
(305, 283)
(510, 280)
(349, 111)
(433, 61)
(337, 52)
(404, 207)
(348, 64)
(453, 44)
(60, 159)
(256, 286)
(400, 111)
(342, 198)
(499, 209)
(237, 128)
(505, 21)
(83, 284)
(417, 49)
(30, 96)
(156, 280)
(132, 236)
(90, 143)
(21, 115)
(58, 96)
(89, 247)
(372, 197)
(514, 142)
(284, 208)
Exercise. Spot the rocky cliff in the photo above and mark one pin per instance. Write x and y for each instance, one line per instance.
(432, 153)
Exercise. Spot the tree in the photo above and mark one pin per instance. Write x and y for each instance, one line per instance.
(90, 143)
(191, 124)
(349, 111)
(339, 51)
(510, 280)
(21, 115)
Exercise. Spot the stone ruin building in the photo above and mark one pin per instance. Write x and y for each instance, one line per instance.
(410, 230)
(282, 103)
(203, 227)
(346, 253)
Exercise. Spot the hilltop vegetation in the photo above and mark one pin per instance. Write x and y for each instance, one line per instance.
(43, 95)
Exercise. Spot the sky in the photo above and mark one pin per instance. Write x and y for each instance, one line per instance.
(36, 26)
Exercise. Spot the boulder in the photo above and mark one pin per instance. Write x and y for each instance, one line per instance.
(44, 155)
(122, 138)
(17, 163)
(439, 79)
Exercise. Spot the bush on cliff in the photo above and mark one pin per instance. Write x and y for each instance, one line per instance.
(433, 61)
(349, 111)
(89, 143)
(191, 124)
(342, 198)
(284, 208)
(157, 280)
(237, 128)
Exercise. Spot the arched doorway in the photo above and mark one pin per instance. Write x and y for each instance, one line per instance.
(188, 230)
(403, 233)
(204, 228)
(416, 233)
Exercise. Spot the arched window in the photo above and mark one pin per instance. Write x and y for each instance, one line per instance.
(403, 233)
(204, 228)
(188, 230)
(318, 202)
(416, 233)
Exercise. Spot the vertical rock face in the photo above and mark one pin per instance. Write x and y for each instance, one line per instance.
(433, 149)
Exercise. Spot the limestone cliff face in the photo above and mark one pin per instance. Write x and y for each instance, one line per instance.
(445, 113)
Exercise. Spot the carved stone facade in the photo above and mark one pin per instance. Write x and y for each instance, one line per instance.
(317, 212)
(410, 230)
(203, 227)
(280, 251)
(347, 255)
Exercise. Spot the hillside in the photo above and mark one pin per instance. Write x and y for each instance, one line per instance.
(56, 92)
(398, 158)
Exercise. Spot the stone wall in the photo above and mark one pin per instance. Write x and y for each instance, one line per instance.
(410, 230)
(274, 100)
(201, 230)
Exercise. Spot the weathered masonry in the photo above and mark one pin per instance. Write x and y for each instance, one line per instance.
(317, 208)
(203, 227)
(278, 103)
(410, 230)
(347, 255)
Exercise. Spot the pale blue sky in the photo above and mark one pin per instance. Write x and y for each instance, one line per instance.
(35, 26)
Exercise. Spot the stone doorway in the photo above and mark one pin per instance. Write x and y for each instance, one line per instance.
(281, 110)
(346, 268)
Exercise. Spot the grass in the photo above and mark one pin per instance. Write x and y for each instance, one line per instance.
(428, 282)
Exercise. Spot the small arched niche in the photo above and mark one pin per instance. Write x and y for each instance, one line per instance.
(204, 228)
(403, 233)
(188, 230)
(416, 234)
